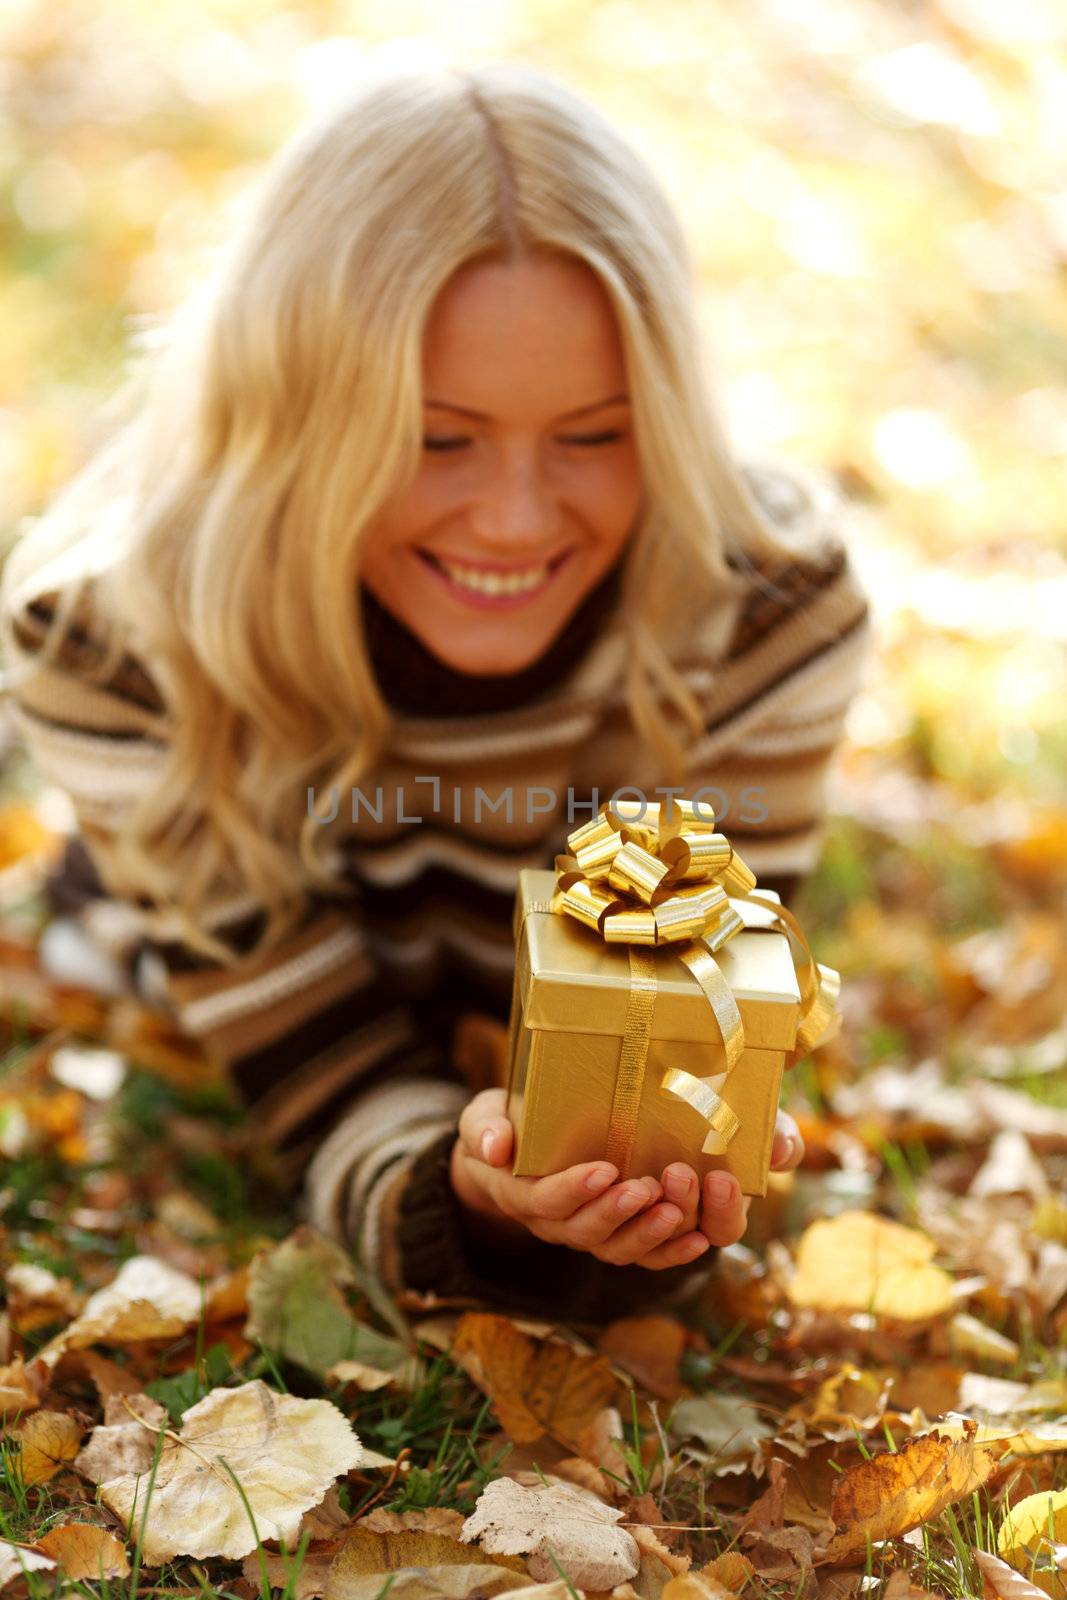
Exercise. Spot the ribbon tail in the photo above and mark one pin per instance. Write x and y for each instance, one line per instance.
(698, 1092)
(819, 1019)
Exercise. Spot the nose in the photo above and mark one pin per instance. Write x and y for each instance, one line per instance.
(515, 511)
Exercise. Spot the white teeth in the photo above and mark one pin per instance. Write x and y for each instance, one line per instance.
(496, 583)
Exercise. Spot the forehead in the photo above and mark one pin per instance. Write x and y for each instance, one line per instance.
(546, 321)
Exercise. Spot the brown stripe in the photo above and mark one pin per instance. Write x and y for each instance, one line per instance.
(310, 1084)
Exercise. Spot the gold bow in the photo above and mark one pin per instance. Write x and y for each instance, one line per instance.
(642, 874)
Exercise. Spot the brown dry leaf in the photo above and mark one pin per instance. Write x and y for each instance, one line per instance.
(435, 1519)
(857, 1261)
(900, 1587)
(15, 1559)
(1001, 1582)
(84, 1550)
(899, 1489)
(49, 1441)
(20, 1389)
(732, 1570)
(558, 1519)
(452, 1581)
(310, 1581)
(227, 1296)
(146, 1300)
(780, 1554)
(536, 1386)
(367, 1554)
(284, 1451)
(107, 1377)
(650, 1543)
(650, 1348)
(697, 1585)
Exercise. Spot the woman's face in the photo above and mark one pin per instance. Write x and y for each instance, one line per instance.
(529, 482)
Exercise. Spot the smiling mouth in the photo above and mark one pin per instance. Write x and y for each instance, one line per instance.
(495, 583)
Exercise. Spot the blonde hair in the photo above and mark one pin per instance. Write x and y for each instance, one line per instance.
(221, 521)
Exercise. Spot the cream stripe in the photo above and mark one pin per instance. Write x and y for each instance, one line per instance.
(508, 741)
(768, 708)
(112, 770)
(212, 1011)
(401, 862)
(331, 1165)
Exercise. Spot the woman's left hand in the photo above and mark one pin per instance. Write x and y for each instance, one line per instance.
(718, 1208)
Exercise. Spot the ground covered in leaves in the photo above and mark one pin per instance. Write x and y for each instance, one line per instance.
(199, 1397)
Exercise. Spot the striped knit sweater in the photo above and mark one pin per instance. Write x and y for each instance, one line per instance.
(339, 1040)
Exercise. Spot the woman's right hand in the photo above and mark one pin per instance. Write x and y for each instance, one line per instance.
(622, 1223)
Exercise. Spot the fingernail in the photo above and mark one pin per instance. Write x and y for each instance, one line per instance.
(663, 1222)
(629, 1200)
(677, 1186)
(487, 1143)
(696, 1247)
(720, 1189)
(599, 1179)
(781, 1149)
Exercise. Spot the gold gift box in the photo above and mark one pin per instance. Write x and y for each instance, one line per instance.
(565, 1036)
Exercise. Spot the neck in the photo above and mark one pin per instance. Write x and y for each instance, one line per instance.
(417, 683)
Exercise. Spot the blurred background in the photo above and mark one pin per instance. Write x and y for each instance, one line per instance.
(876, 194)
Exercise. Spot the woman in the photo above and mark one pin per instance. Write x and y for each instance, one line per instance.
(425, 495)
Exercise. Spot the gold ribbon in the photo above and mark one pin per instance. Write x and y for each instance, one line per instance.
(640, 877)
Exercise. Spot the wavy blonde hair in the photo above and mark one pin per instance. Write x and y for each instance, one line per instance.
(221, 523)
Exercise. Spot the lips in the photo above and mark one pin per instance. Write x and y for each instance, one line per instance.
(495, 568)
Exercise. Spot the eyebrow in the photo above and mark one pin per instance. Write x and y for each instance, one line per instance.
(567, 416)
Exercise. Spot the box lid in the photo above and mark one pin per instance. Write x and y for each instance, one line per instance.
(571, 981)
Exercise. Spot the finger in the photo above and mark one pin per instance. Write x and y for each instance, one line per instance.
(684, 1247)
(633, 1240)
(559, 1196)
(724, 1216)
(484, 1128)
(787, 1151)
(682, 1186)
(597, 1220)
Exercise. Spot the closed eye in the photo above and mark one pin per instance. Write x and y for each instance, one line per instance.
(609, 436)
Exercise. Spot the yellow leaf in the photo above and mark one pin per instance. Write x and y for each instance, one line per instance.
(84, 1550)
(1027, 1535)
(861, 1262)
(899, 1489)
(49, 1440)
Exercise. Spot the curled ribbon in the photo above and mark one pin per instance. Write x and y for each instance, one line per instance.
(645, 875)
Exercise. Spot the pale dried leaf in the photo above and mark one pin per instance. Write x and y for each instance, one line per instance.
(18, 1390)
(284, 1451)
(559, 1518)
(729, 1428)
(16, 1559)
(1001, 1582)
(148, 1299)
(1011, 1167)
